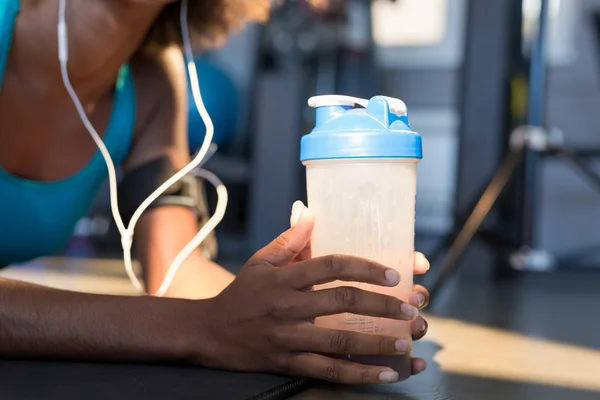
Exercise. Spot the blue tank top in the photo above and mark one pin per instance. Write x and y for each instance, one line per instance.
(38, 218)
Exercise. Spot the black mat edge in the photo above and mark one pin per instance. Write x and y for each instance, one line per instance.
(286, 390)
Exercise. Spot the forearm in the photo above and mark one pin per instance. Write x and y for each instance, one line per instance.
(163, 232)
(42, 323)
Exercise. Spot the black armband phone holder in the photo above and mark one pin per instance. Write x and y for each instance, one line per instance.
(188, 192)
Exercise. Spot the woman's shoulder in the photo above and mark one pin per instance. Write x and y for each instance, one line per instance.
(160, 81)
(165, 70)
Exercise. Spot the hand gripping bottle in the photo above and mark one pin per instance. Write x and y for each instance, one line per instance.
(361, 181)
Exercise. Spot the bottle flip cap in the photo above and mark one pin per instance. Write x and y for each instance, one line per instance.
(350, 127)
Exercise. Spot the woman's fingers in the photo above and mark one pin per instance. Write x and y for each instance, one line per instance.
(283, 250)
(344, 299)
(419, 297)
(297, 210)
(421, 264)
(331, 341)
(418, 365)
(418, 328)
(338, 267)
(339, 371)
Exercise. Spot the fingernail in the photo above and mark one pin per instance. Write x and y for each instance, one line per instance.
(388, 376)
(392, 276)
(422, 262)
(427, 264)
(421, 299)
(296, 209)
(403, 346)
(409, 310)
(300, 214)
(417, 299)
(423, 326)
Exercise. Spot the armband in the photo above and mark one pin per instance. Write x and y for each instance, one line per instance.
(139, 183)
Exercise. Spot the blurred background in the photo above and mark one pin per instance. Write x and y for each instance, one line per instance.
(463, 67)
(460, 66)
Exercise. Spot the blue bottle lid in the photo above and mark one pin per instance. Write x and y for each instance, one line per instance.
(378, 129)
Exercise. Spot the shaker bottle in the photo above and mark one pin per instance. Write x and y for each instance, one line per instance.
(361, 161)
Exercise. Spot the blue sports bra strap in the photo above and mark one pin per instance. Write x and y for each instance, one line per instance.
(119, 132)
(8, 14)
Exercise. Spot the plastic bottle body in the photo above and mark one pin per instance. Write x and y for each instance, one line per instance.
(366, 208)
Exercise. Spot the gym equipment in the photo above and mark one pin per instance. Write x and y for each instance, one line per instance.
(222, 102)
(303, 53)
(528, 144)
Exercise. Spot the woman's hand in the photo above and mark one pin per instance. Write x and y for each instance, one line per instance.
(419, 298)
(263, 320)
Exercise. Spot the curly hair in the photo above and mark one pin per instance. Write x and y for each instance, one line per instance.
(210, 21)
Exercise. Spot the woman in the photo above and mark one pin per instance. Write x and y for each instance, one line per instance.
(126, 66)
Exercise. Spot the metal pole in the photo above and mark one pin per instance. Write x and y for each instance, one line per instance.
(532, 161)
(481, 210)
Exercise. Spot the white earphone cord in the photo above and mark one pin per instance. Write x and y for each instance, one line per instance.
(127, 232)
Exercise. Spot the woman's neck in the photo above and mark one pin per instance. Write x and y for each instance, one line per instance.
(102, 35)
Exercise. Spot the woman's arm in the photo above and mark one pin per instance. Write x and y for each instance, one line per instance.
(102, 36)
(258, 324)
(43, 323)
(162, 232)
